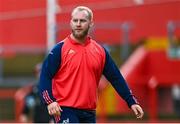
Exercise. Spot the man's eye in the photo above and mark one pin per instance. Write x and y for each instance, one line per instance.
(75, 20)
(83, 20)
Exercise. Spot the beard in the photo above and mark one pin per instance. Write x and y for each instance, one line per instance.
(80, 35)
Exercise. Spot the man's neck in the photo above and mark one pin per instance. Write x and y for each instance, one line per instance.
(81, 41)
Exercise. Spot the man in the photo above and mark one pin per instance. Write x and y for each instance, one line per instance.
(71, 74)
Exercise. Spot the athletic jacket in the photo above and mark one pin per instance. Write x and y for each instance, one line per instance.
(71, 72)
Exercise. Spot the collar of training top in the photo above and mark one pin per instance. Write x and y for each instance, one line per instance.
(87, 41)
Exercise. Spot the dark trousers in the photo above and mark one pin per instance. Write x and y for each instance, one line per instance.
(72, 115)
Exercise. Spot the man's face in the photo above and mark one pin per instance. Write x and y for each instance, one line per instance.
(80, 24)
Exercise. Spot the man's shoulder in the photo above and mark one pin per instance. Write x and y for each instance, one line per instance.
(58, 45)
(60, 42)
(96, 43)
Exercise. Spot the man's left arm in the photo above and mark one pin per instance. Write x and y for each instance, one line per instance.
(113, 75)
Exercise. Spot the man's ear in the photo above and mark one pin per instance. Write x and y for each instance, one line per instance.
(92, 24)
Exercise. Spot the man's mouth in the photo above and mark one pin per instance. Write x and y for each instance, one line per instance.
(78, 29)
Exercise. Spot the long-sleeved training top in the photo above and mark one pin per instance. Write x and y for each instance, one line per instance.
(71, 72)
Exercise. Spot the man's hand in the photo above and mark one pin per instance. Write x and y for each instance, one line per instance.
(137, 110)
(54, 109)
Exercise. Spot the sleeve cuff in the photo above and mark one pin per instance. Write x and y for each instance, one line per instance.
(131, 101)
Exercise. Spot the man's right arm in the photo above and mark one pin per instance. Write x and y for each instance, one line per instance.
(49, 68)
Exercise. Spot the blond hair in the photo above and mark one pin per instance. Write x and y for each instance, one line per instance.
(83, 8)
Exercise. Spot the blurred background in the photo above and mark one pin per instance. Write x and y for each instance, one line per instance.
(142, 36)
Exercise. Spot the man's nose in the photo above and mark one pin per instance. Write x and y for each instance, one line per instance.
(78, 23)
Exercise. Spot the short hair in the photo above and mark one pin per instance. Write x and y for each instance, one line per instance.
(83, 8)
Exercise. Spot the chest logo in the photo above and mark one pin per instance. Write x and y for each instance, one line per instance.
(71, 51)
